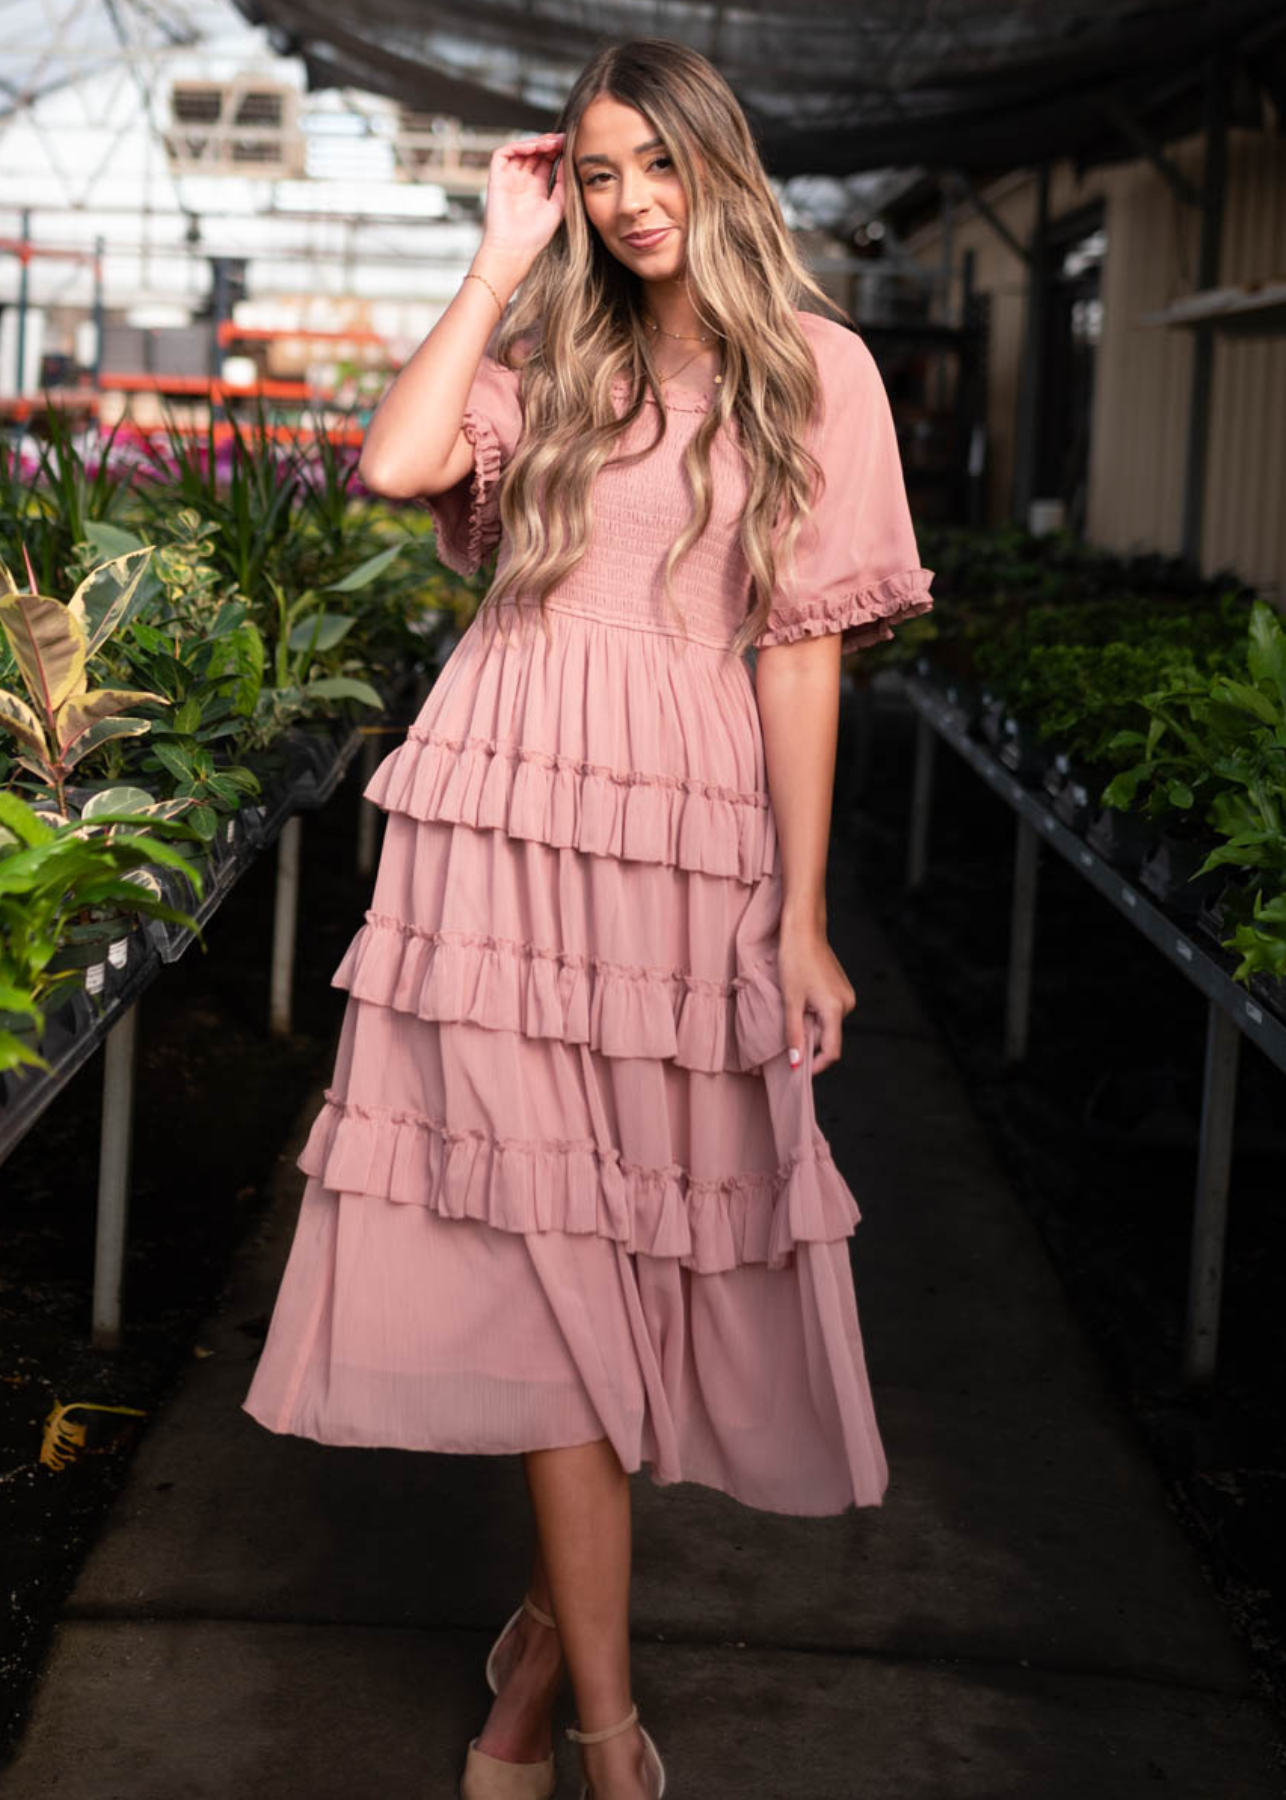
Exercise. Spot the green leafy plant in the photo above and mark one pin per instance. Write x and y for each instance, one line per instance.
(51, 641)
(306, 631)
(50, 509)
(252, 505)
(204, 696)
(1249, 811)
(55, 874)
(1214, 741)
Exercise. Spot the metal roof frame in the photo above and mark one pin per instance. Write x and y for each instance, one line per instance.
(980, 86)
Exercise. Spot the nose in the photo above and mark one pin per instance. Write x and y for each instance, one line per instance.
(634, 194)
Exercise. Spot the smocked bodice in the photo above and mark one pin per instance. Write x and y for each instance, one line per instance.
(639, 509)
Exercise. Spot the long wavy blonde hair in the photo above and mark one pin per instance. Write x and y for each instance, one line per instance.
(575, 326)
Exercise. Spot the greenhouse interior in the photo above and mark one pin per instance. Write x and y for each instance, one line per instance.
(236, 674)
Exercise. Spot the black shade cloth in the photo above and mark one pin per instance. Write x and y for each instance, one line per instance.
(974, 85)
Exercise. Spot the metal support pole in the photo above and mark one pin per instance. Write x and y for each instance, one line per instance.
(1210, 1212)
(1203, 347)
(283, 926)
(24, 264)
(1028, 473)
(1022, 940)
(368, 814)
(917, 850)
(99, 309)
(115, 1144)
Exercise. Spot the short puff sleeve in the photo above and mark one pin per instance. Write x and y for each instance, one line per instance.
(856, 561)
(467, 516)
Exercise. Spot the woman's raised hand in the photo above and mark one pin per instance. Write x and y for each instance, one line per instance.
(523, 212)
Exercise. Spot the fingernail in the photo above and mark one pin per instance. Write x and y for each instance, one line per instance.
(794, 1057)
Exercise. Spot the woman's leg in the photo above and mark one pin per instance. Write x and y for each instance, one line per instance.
(530, 1670)
(581, 1497)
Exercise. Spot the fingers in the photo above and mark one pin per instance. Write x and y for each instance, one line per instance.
(794, 1032)
(831, 1043)
(547, 142)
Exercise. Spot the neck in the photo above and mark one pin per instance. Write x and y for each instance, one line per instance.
(668, 303)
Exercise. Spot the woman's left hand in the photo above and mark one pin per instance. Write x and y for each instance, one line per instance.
(812, 980)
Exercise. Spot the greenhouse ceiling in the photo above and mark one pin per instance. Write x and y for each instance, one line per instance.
(976, 85)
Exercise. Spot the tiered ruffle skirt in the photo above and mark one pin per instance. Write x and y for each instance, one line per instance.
(564, 1184)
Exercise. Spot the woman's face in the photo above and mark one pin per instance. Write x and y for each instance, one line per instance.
(631, 189)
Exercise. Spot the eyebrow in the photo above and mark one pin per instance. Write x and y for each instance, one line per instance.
(655, 143)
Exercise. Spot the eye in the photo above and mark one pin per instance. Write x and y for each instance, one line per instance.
(657, 162)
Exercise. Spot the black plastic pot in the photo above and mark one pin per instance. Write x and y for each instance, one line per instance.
(1212, 921)
(252, 819)
(991, 717)
(1021, 750)
(1271, 989)
(68, 1011)
(20, 1026)
(310, 753)
(1168, 872)
(178, 891)
(1073, 789)
(89, 945)
(965, 699)
(1122, 838)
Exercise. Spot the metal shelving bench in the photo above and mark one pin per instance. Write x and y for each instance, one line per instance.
(112, 1018)
(1232, 1011)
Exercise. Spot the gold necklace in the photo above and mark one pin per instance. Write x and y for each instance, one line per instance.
(679, 336)
(683, 365)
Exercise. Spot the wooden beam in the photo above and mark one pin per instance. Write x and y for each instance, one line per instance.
(989, 213)
(1138, 134)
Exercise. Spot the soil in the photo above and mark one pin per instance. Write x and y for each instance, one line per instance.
(1107, 1173)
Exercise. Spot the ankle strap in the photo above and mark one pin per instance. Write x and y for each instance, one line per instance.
(544, 1617)
(596, 1737)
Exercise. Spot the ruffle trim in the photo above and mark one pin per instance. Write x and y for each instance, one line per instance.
(865, 616)
(573, 1185)
(569, 804)
(620, 1009)
(466, 521)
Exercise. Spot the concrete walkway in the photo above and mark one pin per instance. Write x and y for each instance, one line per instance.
(271, 1619)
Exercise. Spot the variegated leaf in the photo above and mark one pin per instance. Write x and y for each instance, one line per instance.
(102, 732)
(103, 597)
(48, 642)
(17, 717)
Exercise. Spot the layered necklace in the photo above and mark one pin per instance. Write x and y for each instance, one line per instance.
(705, 338)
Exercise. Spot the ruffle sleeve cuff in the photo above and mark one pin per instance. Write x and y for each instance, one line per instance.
(467, 516)
(863, 616)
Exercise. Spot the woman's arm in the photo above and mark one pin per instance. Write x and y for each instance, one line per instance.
(414, 444)
(797, 688)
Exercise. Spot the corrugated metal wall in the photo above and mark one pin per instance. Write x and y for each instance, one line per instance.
(1143, 371)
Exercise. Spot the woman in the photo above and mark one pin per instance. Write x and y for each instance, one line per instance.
(567, 1196)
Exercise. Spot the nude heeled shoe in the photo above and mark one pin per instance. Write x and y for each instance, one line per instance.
(491, 1777)
(656, 1766)
(528, 1605)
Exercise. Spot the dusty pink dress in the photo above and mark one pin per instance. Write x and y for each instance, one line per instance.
(565, 1183)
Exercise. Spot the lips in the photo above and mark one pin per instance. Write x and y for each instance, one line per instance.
(643, 240)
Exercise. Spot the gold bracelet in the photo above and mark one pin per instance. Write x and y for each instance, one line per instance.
(472, 276)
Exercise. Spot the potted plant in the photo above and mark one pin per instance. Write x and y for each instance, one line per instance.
(49, 874)
(51, 643)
